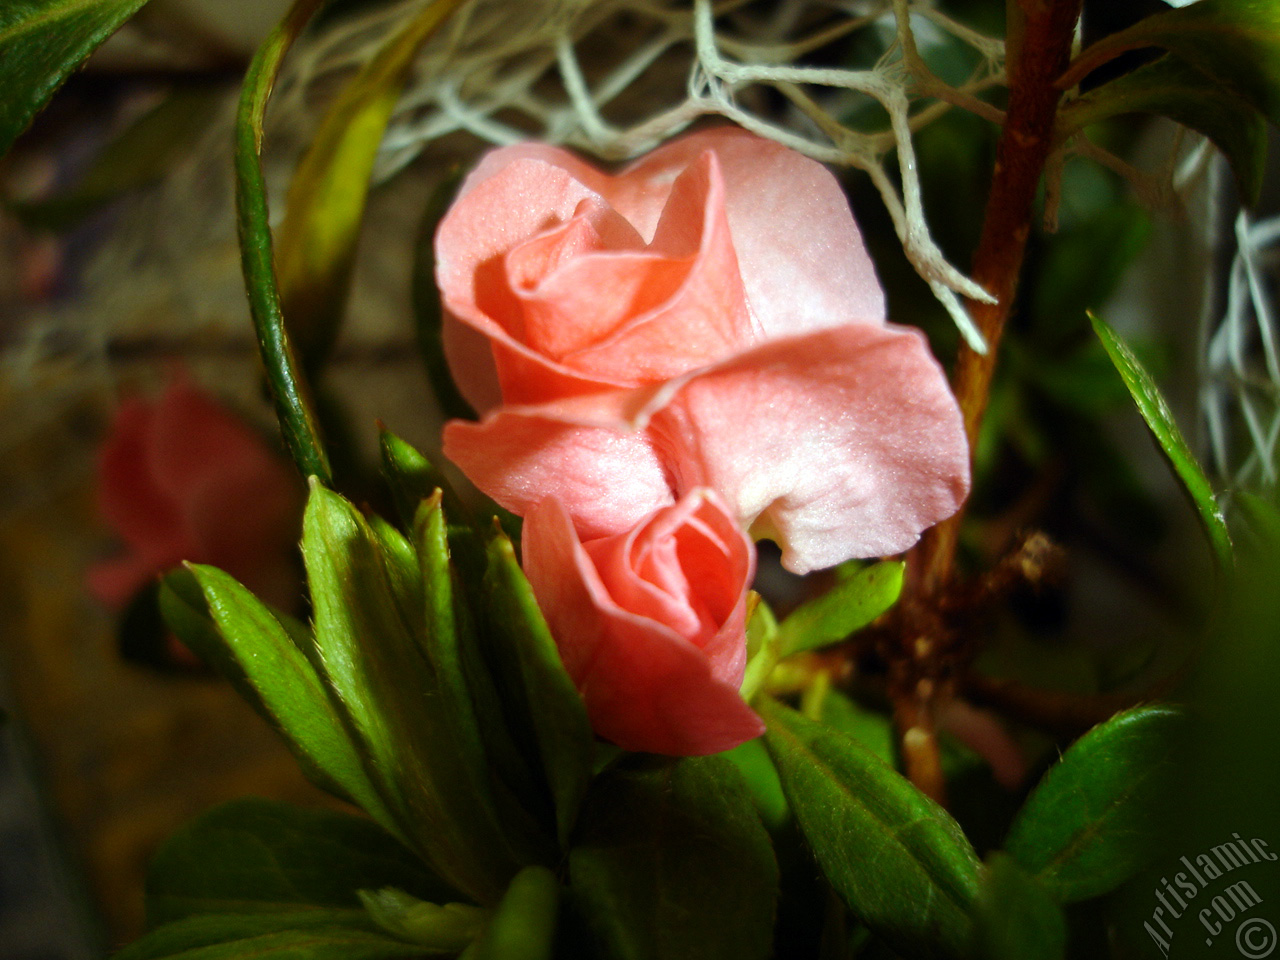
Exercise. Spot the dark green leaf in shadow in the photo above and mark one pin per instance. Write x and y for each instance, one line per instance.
(1146, 395)
(325, 934)
(248, 643)
(42, 42)
(1090, 823)
(847, 607)
(544, 701)
(427, 311)
(1015, 919)
(523, 926)
(1236, 43)
(757, 771)
(671, 862)
(315, 249)
(142, 154)
(898, 860)
(1171, 88)
(436, 928)
(293, 402)
(252, 855)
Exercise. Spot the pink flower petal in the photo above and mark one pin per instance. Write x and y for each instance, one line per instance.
(838, 444)
(645, 687)
(611, 479)
(803, 262)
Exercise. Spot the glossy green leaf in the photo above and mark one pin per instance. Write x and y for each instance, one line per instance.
(1090, 823)
(1171, 88)
(671, 862)
(544, 699)
(294, 405)
(436, 928)
(319, 934)
(1159, 418)
(231, 629)
(1236, 43)
(263, 856)
(523, 925)
(847, 607)
(315, 249)
(1015, 918)
(428, 312)
(42, 42)
(368, 636)
(755, 766)
(898, 860)
(873, 730)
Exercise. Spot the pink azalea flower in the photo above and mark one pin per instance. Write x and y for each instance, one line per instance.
(651, 622)
(182, 478)
(708, 317)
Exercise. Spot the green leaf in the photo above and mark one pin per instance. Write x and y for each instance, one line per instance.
(1089, 825)
(428, 313)
(873, 730)
(671, 862)
(263, 856)
(1236, 43)
(469, 701)
(369, 639)
(545, 700)
(1015, 918)
(1171, 88)
(448, 928)
(898, 860)
(413, 478)
(42, 42)
(231, 629)
(310, 935)
(294, 405)
(761, 779)
(143, 153)
(316, 247)
(763, 648)
(847, 607)
(523, 926)
(1160, 420)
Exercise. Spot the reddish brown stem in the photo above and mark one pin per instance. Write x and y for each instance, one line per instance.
(1040, 49)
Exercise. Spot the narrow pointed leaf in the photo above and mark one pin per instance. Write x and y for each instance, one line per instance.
(230, 628)
(1236, 43)
(326, 200)
(1015, 918)
(42, 42)
(294, 406)
(1171, 88)
(847, 607)
(326, 934)
(671, 862)
(369, 640)
(263, 856)
(1091, 822)
(1164, 428)
(523, 927)
(899, 861)
(413, 478)
(547, 700)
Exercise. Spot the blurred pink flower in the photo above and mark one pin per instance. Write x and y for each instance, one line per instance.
(651, 622)
(708, 317)
(183, 478)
